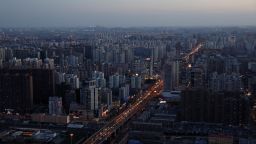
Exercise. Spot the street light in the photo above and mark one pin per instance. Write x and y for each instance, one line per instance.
(71, 137)
(248, 94)
(189, 65)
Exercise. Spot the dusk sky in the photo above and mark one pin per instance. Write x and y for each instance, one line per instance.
(111, 13)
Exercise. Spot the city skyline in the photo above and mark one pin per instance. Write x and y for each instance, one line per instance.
(128, 71)
(114, 13)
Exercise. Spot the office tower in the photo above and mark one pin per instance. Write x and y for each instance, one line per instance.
(107, 69)
(252, 66)
(196, 77)
(16, 91)
(122, 57)
(90, 96)
(62, 61)
(34, 63)
(108, 57)
(175, 74)
(161, 51)
(8, 54)
(99, 55)
(106, 97)
(115, 54)
(86, 70)
(100, 80)
(138, 66)
(72, 60)
(222, 139)
(88, 52)
(44, 85)
(55, 105)
(215, 63)
(201, 105)
(225, 82)
(21, 53)
(48, 63)
(167, 75)
(43, 54)
(5, 55)
(155, 53)
(96, 55)
(114, 81)
(97, 74)
(124, 92)
(136, 82)
(72, 80)
(2, 54)
(128, 55)
(151, 64)
(193, 104)
(122, 79)
(231, 64)
(177, 49)
(43, 82)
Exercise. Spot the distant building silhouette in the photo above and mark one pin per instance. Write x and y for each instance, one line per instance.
(38, 84)
(199, 105)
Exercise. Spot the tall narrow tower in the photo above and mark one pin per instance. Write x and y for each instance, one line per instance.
(168, 76)
(151, 63)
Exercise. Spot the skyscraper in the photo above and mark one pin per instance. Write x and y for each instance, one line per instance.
(175, 74)
(124, 92)
(136, 82)
(167, 74)
(55, 105)
(90, 96)
(202, 105)
(43, 83)
(151, 64)
(16, 91)
(106, 97)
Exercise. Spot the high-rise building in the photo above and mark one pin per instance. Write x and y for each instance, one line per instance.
(100, 80)
(88, 52)
(106, 68)
(175, 74)
(16, 91)
(2, 56)
(114, 81)
(72, 60)
(106, 97)
(201, 105)
(167, 74)
(231, 64)
(155, 53)
(55, 106)
(43, 82)
(225, 82)
(90, 96)
(124, 92)
(43, 54)
(151, 64)
(197, 77)
(252, 66)
(21, 53)
(136, 82)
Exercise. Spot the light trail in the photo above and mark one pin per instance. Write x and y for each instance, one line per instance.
(107, 130)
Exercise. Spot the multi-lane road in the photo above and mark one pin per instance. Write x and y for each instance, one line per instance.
(111, 127)
(193, 51)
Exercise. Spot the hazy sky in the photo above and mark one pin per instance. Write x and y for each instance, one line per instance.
(30, 13)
